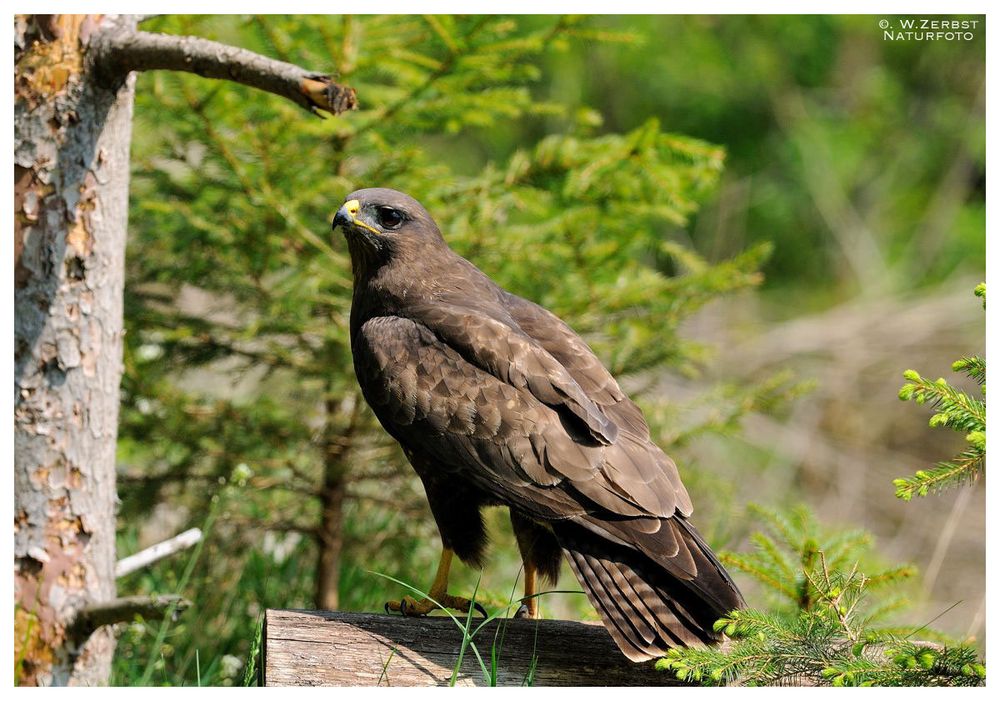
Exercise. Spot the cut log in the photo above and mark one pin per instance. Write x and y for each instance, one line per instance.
(332, 648)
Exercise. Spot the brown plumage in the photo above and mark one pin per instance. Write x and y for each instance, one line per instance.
(496, 401)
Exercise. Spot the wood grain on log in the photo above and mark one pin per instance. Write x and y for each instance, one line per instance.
(332, 648)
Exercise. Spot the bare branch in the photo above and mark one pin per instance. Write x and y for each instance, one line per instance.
(126, 609)
(144, 558)
(116, 53)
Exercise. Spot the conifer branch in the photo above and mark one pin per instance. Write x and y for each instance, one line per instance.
(957, 410)
(827, 633)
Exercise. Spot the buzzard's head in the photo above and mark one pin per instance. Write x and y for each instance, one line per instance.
(382, 224)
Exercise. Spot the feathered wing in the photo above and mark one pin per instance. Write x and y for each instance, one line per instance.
(623, 588)
(555, 335)
(461, 418)
(499, 347)
(619, 508)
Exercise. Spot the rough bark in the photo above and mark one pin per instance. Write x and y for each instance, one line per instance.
(319, 648)
(74, 90)
(71, 141)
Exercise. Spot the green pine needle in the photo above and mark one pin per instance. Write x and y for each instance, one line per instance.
(953, 409)
(828, 630)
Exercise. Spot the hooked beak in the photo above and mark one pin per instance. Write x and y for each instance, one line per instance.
(346, 215)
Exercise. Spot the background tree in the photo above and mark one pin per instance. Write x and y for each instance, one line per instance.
(72, 115)
(241, 355)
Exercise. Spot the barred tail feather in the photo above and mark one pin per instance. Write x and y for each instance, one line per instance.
(646, 608)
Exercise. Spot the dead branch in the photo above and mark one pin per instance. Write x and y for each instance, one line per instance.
(145, 558)
(126, 609)
(115, 54)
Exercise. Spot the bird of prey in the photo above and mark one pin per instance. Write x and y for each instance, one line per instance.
(496, 401)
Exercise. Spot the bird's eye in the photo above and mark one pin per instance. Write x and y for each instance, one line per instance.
(389, 218)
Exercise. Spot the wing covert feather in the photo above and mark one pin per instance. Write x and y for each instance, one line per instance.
(515, 358)
(427, 394)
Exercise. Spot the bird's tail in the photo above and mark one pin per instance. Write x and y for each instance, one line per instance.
(646, 608)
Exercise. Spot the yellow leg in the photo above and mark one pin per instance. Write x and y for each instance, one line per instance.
(440, 584)
(529, 591)
(529, 604)
(438, 595)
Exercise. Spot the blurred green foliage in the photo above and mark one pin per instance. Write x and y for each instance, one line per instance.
(829, 130)
(579, 162)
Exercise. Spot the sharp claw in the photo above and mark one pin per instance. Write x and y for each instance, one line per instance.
(522, 612)
(386, 607)
(402, 606)
(476, 605)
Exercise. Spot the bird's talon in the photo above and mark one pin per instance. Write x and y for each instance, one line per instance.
(522, 612)
(408, 606)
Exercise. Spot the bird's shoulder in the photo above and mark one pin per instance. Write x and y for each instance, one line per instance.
(404, 365)
(483, 332)
(574, 354)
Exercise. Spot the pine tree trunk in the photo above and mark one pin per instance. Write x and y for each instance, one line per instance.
(330, 536)
(71, 151)
(330, 540)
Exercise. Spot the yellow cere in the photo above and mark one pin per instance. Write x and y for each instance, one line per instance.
(353, 207)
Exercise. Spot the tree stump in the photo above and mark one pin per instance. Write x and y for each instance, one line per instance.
(332, 648)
